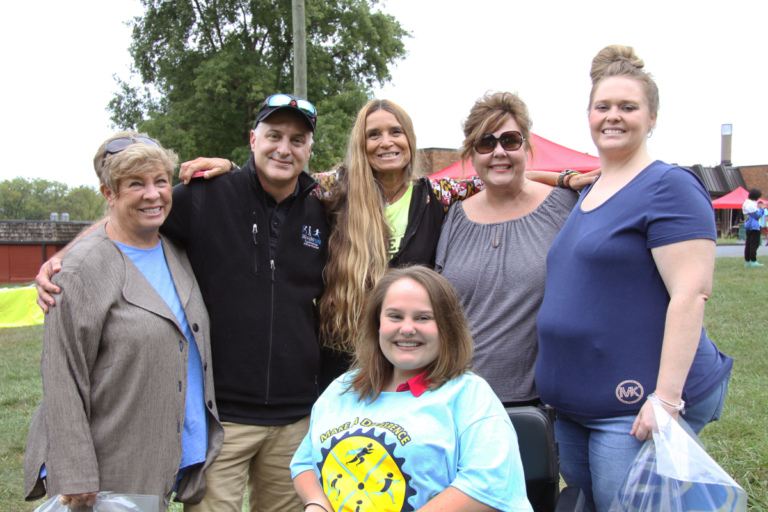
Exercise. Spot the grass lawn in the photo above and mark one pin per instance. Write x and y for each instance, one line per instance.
(20, 392)
(737, 319)
(729, 241)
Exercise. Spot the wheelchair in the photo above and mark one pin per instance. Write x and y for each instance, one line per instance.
(541, 464)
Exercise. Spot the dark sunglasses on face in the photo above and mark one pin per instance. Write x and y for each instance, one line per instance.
(510, 141)
(283, 100)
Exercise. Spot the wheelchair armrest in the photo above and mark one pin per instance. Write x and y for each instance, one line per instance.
(571, 500)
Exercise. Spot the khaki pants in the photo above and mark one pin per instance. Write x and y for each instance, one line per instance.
(260, 455)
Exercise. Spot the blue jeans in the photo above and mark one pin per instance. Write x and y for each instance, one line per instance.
(595, 454)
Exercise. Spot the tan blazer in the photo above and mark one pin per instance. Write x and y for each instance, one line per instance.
(114, 372)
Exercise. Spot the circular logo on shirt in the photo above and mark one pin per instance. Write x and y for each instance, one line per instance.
(629, 392)
(360, 473)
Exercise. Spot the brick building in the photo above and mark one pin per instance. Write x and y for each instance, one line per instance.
(756, 176)
(26, 244)
(437, 159)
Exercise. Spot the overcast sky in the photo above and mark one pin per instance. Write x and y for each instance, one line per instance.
(708, 58)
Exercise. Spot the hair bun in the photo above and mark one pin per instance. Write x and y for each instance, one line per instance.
(612, 57)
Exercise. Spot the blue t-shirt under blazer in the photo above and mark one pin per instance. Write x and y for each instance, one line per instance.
(601, 323)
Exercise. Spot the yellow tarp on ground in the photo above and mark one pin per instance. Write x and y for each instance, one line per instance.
(18, 307)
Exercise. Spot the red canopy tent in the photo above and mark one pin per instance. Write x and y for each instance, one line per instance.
(549, 156)
(732, 200)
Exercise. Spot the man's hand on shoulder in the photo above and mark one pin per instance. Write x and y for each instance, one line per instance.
(43, 279)
(44, 285)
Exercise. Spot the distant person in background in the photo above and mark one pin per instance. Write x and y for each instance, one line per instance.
(763, 222)
(752, 215)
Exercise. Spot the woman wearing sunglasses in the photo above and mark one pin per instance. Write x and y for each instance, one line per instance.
(493, 245)
(128, 402)
(627, 280)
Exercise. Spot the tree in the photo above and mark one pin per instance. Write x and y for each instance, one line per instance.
(207, 65)
(13, 196)
(32, 199)
(84, 203)
(46, 197)
(36, 199)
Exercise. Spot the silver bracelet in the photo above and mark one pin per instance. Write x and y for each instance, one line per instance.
(677, 408)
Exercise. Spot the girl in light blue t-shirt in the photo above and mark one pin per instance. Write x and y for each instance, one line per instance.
(410, 424)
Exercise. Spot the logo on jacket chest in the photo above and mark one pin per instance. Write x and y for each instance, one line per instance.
(311, 237)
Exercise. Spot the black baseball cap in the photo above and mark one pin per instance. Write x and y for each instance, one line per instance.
(287, 101)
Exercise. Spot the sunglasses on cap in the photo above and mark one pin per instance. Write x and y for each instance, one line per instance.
(510, 141)
(283, 100)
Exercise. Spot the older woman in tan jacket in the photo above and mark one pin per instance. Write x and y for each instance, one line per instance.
(128, 401)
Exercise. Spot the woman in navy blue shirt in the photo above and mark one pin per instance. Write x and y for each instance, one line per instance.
(627, 280)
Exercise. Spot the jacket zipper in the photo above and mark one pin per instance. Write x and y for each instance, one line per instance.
(255, 235)
(271, 330)
(272, 298)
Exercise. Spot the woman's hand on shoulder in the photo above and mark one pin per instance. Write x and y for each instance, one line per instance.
(577, 182)
(209, 167)
(582, 181)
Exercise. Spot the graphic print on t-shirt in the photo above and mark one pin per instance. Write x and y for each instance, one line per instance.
(360, 473)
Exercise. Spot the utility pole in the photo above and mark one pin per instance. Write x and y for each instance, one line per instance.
(299, 49)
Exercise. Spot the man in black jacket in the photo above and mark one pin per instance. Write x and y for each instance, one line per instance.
(256, 239)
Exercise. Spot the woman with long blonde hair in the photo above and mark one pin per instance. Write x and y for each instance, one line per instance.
(384, 212)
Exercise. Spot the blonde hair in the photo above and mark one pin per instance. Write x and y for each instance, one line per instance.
(488, 114)
(619, 60)
(456, 344)
(134, 160)
(358, 253)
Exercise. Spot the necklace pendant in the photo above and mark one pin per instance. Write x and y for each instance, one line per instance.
(388, 202)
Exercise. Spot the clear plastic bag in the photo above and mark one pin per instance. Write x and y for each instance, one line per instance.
(673, 473)
(109, 502)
